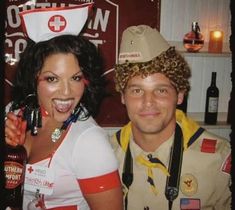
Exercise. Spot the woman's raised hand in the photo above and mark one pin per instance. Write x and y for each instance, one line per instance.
(15, 129)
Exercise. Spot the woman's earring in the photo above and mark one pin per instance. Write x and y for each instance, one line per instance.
(36, 121)
(32, 114)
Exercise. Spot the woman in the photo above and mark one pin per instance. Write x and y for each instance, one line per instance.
(58, 82)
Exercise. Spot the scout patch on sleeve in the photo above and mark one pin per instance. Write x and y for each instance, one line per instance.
(189, 203)
(226, 166)
(208, 145)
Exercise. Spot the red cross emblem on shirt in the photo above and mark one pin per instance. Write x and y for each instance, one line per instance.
(57, 23)
(30, 169)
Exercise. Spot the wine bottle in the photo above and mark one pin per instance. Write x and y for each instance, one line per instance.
(212, 99)
(14, 167)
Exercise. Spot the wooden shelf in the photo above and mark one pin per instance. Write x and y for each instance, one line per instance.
(206, 54)
(221, 123)
(203, 52)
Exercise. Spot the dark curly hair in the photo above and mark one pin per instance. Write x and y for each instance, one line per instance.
(34, 56)
(170, 63)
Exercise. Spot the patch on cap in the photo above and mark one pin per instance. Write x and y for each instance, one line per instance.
(133, 56)
(45, 23)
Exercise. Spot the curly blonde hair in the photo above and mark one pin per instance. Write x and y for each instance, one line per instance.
(170, 63)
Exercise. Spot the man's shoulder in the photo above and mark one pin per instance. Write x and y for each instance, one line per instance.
(115, 139)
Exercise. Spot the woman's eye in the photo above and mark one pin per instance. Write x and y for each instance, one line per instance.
(50, 79)
(77, 77)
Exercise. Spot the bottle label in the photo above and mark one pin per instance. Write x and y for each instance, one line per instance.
(14, 174)
(213, 104)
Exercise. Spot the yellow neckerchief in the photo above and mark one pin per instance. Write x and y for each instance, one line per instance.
(149, 164)
(187, 125)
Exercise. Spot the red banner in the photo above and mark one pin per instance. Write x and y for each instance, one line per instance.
(104, 29)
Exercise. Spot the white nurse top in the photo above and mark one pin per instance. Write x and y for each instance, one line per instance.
(83, 163)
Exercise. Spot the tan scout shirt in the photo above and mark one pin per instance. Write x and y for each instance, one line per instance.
(204, 182)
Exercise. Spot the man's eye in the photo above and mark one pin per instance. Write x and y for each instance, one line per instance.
(136, 91)
(162, 91)
(77, 77)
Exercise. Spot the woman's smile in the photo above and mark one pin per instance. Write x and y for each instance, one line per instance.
(63, 106)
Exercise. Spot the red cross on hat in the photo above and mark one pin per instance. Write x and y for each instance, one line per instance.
(57, 23)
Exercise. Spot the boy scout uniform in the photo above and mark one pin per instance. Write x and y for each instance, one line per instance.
(205, 172)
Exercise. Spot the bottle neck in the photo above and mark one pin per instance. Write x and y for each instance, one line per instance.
(196, 29)
(213, 79)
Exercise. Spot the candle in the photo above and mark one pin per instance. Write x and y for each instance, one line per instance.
(215, 42)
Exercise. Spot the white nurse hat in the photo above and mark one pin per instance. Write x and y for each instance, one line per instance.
(45, 23)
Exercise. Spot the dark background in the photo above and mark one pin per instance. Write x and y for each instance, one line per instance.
(2, 178)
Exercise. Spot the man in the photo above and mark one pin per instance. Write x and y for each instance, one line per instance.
(167, 161)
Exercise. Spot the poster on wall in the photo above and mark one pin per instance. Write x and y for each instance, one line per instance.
(104, 28)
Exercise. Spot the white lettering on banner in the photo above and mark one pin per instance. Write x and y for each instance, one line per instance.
(85, 1)
(19, 46)
(45, 5)
(97, 42)
(13, 18)
(100, 20)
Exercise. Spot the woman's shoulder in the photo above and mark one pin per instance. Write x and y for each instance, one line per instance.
(87, 127)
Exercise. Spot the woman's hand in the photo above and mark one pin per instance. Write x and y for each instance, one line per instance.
(15, 129)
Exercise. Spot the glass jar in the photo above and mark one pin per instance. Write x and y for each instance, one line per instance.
(194, 40)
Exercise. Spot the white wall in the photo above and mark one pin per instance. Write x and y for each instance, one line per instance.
(177, 16)
(176, 19)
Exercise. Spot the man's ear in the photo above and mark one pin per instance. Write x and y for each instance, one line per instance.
(180, 97)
